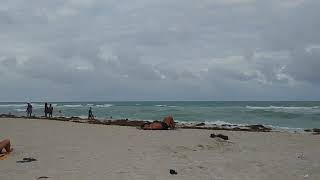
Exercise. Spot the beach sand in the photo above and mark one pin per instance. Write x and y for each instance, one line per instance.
(70, 151)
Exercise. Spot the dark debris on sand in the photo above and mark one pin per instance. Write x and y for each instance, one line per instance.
(27, 160)
(315, 131)
(173, 172)
(138, 123)
(43, 177)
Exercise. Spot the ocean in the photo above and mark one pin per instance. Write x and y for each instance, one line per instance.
(278, 115)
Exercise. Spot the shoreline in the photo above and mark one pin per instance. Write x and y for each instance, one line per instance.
(138, 123)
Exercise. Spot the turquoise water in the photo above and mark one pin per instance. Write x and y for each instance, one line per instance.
(276, 114)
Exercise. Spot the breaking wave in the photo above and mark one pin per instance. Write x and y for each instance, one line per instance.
(72, 105)
(13, 105)
(160, 105)
(104, 105)
(282, 107)
(232, 125)
(287, 109)
(22, 105)
(164, 105)
(21, 110)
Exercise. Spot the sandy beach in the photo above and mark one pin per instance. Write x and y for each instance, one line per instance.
(67, 150)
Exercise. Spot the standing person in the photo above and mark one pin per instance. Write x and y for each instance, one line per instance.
(29, 110)
(50, 111)
(45, 109)
(90, 114)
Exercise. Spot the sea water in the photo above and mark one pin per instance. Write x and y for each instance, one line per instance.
(282, 115)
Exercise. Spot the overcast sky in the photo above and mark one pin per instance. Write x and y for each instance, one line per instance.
(67, 50)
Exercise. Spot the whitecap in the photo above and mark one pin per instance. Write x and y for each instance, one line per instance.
(104, 105)
(285, 129)
(13, 105)
(160, 105)
(20, 110)
(283, 107)
(72, 105)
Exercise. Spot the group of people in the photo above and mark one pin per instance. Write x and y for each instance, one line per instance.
(48, 110)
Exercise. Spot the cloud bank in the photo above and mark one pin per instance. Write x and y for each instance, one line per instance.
(159, 50)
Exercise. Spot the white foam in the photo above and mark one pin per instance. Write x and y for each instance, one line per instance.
(21, 110)
(23, 105)
(232, 125)
(83, 117)
(104, 105)
(72, 106)
(285, 129)
(210, 123)
(161, 105)
(13, 105)
(282, 107)
(164, 105)
(219, 123)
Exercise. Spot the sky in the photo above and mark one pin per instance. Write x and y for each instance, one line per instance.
(111, 50)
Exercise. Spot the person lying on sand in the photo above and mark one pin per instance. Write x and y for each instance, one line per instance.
(5, 144)
(157, 125)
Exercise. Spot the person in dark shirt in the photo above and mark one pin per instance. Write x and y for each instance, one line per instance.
(29, 110)
(46, 109)
(90, 114)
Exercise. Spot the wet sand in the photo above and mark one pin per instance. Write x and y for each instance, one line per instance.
(68, 150)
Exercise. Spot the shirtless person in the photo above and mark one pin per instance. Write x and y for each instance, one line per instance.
(5, 144)
(164, 125)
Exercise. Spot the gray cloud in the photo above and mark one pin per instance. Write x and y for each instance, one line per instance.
(140, 50)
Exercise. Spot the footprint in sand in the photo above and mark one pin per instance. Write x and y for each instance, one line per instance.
(202, 168)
